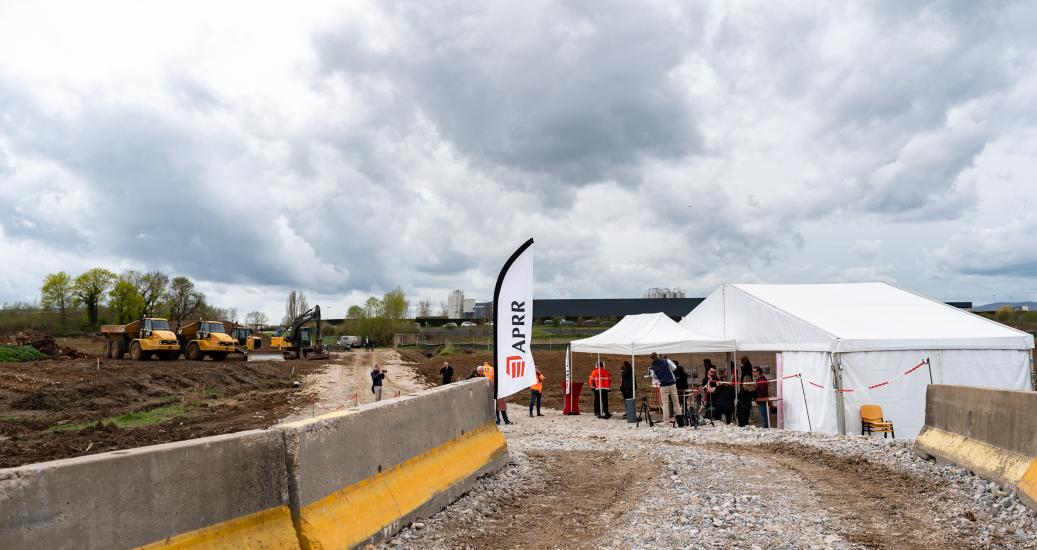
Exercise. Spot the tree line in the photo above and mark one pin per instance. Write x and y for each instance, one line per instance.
(99, 296)
(379, 318)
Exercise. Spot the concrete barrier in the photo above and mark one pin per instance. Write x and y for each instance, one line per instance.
(357, 477)
(336, 481)
(991, 432)
(229, 488)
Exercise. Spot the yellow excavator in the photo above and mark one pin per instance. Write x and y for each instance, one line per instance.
(202, 339)
(143, 339)
(302, 341)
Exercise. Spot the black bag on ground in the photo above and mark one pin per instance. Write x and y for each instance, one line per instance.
(681, 421)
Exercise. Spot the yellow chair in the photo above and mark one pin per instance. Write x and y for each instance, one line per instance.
(873, 422)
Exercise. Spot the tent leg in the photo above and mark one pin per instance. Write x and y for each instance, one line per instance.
(840, 408)
(810, 425)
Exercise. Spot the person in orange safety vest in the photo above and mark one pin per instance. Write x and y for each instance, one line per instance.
(600, 382)
(535, 393)
(500, 408)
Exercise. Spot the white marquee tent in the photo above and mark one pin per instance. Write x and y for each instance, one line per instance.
(646, 333)
(871, 333)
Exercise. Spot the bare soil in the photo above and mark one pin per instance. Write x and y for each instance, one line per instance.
(38, 398)
(578, 486)
(875, 506)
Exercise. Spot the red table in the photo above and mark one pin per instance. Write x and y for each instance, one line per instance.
(571, 402)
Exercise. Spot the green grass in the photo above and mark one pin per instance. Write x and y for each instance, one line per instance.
(19, 354)
(129, 420)
(447, 350)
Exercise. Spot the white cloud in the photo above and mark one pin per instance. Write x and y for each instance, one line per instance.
(349, 148)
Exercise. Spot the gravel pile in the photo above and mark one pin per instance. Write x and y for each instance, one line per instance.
(750, 488)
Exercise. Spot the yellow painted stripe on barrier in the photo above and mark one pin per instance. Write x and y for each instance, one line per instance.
(1028, 485)
(355, 513)
(269, 529)
(988, 461)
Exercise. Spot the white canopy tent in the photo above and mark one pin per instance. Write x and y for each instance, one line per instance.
(647, 333)
(846, 337)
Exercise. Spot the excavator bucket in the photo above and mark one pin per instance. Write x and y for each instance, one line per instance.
(265, 355)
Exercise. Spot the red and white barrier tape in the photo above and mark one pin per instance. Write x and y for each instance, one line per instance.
(873, 386)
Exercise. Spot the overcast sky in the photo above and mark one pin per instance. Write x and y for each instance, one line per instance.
(346, 149)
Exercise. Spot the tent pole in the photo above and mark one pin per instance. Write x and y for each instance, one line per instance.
(840, 409)
(810, 426)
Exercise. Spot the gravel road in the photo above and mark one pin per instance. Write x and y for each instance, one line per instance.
(348, 374)
(581, 482)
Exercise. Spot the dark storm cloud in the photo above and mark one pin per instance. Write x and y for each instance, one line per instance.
(571, 94)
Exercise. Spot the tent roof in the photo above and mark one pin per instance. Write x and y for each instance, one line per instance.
(647, 333)
(842, 318)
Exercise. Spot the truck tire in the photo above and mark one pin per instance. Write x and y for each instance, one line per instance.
(218, 355)
(194, 353)
(136, 353)
(118, 349)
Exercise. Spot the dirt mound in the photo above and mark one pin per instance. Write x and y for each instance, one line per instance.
(46, 345)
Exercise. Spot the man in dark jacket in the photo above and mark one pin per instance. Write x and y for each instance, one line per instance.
(447, 372)
(667, 387)
(681, 376)
(724, 397)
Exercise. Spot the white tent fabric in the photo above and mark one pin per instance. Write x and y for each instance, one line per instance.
(647, 333)
(844, 318)
(874, 332)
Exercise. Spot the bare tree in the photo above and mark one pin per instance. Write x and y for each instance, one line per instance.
(256, 320)
(232, 315)
(442, 309)
(424, 310)
(291, 308)
(304, 306)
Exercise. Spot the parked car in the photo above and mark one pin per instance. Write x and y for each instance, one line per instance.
(450, 325)
(348, 341)
(566, 323)
(591, 323)
(549, 322)
(469, 324)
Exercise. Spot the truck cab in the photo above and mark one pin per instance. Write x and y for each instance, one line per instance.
(202, 339)
(243, 336)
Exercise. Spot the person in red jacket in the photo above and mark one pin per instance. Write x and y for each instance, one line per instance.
(601, 382)
(761, 397)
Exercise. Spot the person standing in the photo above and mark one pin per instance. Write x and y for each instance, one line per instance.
(762, 394)
(746, 395)
(500, 409)
(747, 367)
(377, 375)
(667, 387)
(724, 397)
(447, 372)
(601, 383)
(681, 376)
(709, 388)
(626, 381)
(535, 392)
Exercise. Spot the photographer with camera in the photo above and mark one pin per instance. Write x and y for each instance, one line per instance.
(377, 375)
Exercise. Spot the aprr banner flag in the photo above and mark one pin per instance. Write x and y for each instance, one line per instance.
(513, 324)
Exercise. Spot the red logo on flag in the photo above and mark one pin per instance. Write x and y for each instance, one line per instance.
(515, 366)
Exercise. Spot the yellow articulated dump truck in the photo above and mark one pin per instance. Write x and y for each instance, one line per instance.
(203, 339)
(141, 339)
